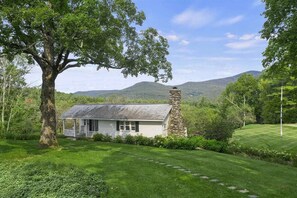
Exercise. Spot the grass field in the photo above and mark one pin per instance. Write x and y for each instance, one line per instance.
(139, 171)
(268, 136)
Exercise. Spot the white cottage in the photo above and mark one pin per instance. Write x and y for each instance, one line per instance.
(147, 120)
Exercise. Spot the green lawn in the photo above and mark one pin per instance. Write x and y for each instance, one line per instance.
(268, 136)
(128, 173)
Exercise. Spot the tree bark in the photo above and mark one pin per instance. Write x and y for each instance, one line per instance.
(48, 110)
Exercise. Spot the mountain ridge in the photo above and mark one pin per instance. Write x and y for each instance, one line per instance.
(151, 90)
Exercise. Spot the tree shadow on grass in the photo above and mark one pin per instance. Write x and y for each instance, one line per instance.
(31, 147)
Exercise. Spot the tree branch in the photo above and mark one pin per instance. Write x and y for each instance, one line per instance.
(69, 66)
(59, 58)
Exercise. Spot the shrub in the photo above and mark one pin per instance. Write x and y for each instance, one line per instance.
(159, 141)
(214, 145)
(106, 138)
(44, 179)
(20, 136)
(173, 142)
(98, 137)
(141, 140)
(264, 154)
(220, 129)
(129, 139)
(118, 139)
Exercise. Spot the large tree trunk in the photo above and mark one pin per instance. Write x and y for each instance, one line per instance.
(48, 110)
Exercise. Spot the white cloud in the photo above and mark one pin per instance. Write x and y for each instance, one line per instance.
(230, 35)
(176, 38)
(243, 44)
(184, 42)
(257, 2)
(194, 18)
(245, 41)
(172, 37)
(246, 37)
(230, 21)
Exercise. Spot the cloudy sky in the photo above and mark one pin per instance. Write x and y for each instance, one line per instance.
(208, 40)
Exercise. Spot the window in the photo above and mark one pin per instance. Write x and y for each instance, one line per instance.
(133, 128)
(93, 125)
(128, 126)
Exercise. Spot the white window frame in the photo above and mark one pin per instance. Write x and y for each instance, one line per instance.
(128, 126)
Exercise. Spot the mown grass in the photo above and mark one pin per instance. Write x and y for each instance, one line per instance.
(268, 136)
(127, 176)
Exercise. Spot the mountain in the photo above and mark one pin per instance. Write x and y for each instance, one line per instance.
(190, 90)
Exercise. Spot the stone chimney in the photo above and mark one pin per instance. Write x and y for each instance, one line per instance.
(176, 126)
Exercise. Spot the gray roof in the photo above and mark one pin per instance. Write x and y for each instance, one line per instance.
(150, 112)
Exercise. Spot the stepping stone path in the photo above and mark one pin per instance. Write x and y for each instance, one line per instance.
(253, 196)
(195, 174)
(231, 187)
(204, 177)
(214, 180)
(243, 191)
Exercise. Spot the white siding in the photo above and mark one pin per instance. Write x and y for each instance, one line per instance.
(150, 129)
(108, 127)
(146, 128)
(165, 126)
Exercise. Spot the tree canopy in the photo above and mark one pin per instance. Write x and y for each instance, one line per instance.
(280, 27)
(63, 34)
(73, 33)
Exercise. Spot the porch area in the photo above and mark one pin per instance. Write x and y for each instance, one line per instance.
(77, 128)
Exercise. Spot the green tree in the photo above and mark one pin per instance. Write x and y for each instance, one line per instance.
(242, 98)
(280, 27)
(270, 97)
(12, 82)
(63, 34)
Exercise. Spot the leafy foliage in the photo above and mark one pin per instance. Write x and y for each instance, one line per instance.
(41, 179)
(170, 142)
(220, 129)
(270, 97)
(210, 120)
(280, 31)
(264, 154)
(242, 98)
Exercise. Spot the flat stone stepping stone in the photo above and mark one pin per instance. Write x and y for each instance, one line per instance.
(187, 171)
(196, 174)
(221, 184)
(204, 177)
(168, 165)
(243, 191)
(214, 180)
(162, 163)
(231, 187)
(181, 169)
(253, 196)
(176, 167)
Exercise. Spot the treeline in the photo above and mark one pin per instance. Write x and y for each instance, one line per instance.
(248, 100)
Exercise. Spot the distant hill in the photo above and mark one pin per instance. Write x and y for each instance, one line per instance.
(150, 90)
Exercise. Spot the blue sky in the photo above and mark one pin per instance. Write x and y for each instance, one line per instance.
(208, 40)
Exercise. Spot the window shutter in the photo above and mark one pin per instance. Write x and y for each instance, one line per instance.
(118, 125)
(137, 126)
